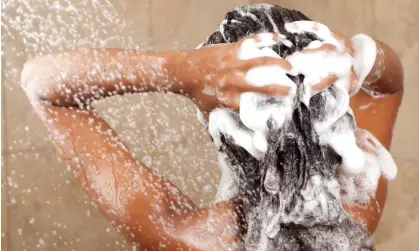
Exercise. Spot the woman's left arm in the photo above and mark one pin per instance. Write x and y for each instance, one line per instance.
(378, 114)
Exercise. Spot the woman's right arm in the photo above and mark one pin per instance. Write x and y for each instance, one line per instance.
(76, 78)
(147, 208)
(212, 76)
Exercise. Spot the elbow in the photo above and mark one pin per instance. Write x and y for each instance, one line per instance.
(36, 81)
(394, 75)
(387, 75)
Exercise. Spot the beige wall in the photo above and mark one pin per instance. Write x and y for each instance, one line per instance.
(42, 206)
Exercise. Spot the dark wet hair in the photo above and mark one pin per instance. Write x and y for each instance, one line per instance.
(274, 190)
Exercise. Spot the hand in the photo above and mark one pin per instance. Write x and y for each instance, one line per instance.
(334, 44)
(219, 72)
(212, 76)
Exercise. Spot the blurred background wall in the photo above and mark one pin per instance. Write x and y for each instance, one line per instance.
(44, 209)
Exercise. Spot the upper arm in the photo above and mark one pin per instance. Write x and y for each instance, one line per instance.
(387, 74)
(378, 115)
(144, 206)
(147, 208)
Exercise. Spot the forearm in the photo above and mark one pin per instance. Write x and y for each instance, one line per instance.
(142, 204)
(79, 77)
(386, 75)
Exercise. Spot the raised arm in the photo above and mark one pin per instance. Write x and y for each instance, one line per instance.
(147, 208)
(212, 76)
(378, 79)
(375, 107)
(386, 77)
(76, 78)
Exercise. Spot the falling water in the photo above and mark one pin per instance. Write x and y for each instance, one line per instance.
(43, 207)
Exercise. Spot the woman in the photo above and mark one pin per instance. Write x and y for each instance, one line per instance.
(148, 209)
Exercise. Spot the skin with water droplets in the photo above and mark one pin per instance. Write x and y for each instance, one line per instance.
(147, 208)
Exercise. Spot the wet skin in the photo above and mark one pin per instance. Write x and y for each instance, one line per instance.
(148, 209)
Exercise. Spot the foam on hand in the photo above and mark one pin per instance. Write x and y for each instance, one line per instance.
(365, 55)
(257, 109)
(335, 126)
(253, 114)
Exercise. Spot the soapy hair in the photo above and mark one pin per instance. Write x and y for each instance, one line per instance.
(291, 198)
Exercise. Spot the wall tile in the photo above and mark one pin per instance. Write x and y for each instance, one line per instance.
(163, 132)
(406, 241)
(115, 24)
(5, 245)
(345, 16)
(47, 210)
(406, 138)
(398, 228)
(396, 24)
(184, 24)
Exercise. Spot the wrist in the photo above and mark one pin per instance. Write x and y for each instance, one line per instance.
(180, 66)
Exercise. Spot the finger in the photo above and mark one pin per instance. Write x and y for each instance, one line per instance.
(346, 41)
(251, 47)
(353, 83)
(263, 39)
(270, 39)
(307, 26)
(324, 47)
(318, 29)
(265, 72)
(269, 90)
(323, 84)
(250, 52)
(268, 52)
(266, 61)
